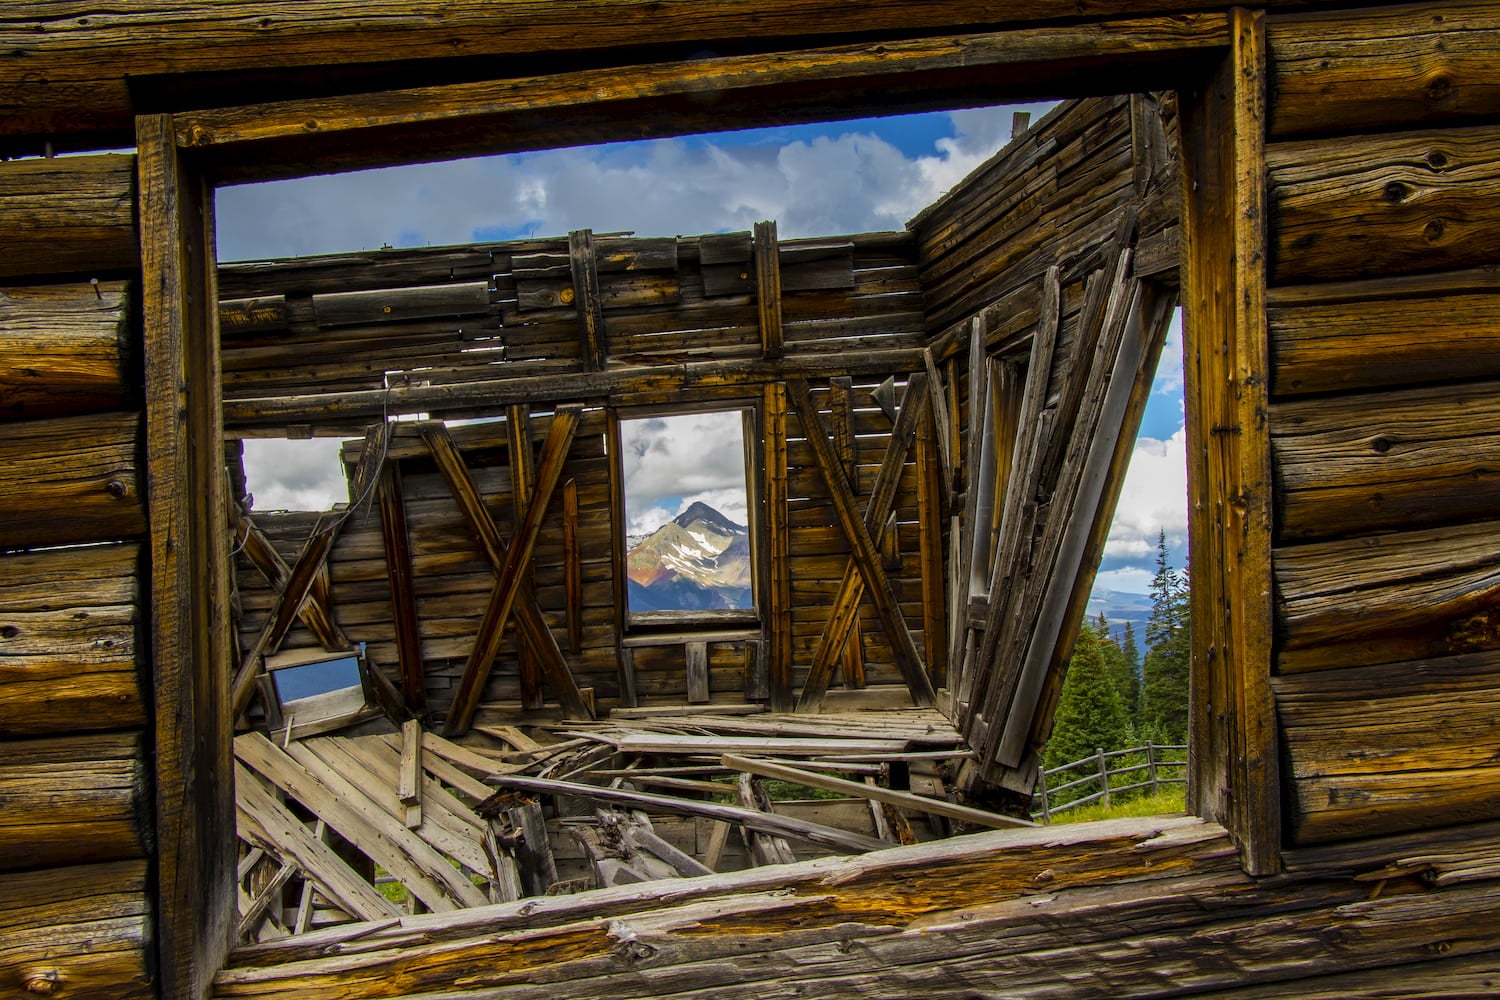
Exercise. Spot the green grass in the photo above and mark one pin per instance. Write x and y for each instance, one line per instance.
(1168, 800)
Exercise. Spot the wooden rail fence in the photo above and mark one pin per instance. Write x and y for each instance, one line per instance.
(1098, 770)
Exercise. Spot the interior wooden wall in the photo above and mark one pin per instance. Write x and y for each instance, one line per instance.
(1380, 177)
(76, 733)
(308, 346)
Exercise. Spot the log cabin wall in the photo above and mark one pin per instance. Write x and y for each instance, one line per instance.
(1382, 316)
(76, 841)
(1045, 270)
(325, 346)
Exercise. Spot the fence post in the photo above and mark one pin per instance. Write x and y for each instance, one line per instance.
(1151, 765)
(1103, 776)
(1042, 785)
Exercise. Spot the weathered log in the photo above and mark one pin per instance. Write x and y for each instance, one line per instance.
(87, 466)
(74, 799)
(68, 215)
(388, 305)
(65, 349)
(83, 930)
(1405, 458)
(69, 627)
(1375, 68)
(1384, 204)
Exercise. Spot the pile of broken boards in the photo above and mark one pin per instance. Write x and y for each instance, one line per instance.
(336, 829)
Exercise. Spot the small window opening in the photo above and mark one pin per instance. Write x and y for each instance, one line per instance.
(314, 691)
(689, 544)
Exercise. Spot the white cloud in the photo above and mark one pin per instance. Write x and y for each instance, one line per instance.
(1153, 498)
(295, 475)
(669, 462)
(1129, 580)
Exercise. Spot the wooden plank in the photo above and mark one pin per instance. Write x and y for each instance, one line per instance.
(1381, 67)
(572, 567)
(396, 541)
(83, 928)
(74, 799)
(865, 555)
(890, 796)
(252, 315)
(66, 348)
(770, 823)
(777, 648)
(522, 462)
(1232, 726)
(508, 583)
(92, 230)
(696, 655)
(844, 81)
(1383, 460)
(390, 305)
(768, 289)
(586, 296)
(765, 849)
(409, 785)
(316, 611)
(837, 633)
(1383, 205)
(841, 411)
(734, 375)
(962, 569)
(618, 566)
(189, 559)
(930, 512)
(86, 465)
(265, 821)
(70, 624)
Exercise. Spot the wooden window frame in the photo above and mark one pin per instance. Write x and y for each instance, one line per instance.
(1216, 61)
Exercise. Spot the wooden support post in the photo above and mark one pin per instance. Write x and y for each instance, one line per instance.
(572, 567)
(316, 612)
(930, 543)
(765, 848)
(398, 568)
(189, 559)
(866, 555)
(937, 392)
(778, 612)
(531, 625)
(409, 780)
(841, 403)
(522, 489)
(845, 613)
(695, 655)
(509, 581)
(768, 289)
(854, 656)
(969, 468)
(585, 268)
(1232, 725)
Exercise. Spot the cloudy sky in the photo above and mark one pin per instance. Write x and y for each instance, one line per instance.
(815, 180)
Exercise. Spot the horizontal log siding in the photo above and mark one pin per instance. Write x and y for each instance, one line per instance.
(1384, 429)
(76, 899)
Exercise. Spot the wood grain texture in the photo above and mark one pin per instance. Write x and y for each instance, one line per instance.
(1405, 458)
(85, 929)
(1374, 68)
(74, 214)
(65, 349)
(70, 641)
(89, 466)
(189, 556)
(1395, 747)
(1233, 767)
(1383, 204)
(74, 800)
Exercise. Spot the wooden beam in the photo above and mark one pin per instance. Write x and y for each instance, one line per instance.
(1233, 756)
(572, 567)
(67, 348)
(695, 655)
(618, 567)
(778, 589)
(396, 542)
(532, 626)
(857, 789)
(841, 409)
(930, 511)
(844, 616)
(522, 464)
(585, 266)
(866, 555)
(409, 779)
(508, 582)
(768, 289)
(189, 558)
(316, 612)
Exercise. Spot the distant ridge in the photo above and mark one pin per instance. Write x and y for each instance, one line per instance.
(699, 560)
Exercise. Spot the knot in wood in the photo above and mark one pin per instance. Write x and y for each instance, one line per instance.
(1396, 192)
(1439, 88)
(1437, 159)
(1434, 230)
(44, 983)
(116, 489)
(1380, 445)
(9, 631)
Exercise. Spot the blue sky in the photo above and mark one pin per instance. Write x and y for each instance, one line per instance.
(815, 180)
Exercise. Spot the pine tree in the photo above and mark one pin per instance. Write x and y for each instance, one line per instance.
(1133, 662)
(1119, 669)
(1089, 713)
(1164, 687)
